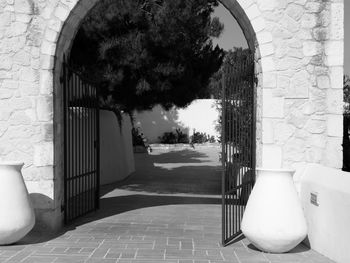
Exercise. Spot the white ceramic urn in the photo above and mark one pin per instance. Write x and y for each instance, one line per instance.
(273, 220)
(16, 212)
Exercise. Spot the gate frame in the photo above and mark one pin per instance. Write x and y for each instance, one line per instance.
(95, 145)
(244, 185)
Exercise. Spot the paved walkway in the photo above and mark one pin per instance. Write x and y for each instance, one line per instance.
(167, 211)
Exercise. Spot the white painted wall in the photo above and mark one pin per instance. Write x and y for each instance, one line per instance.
(329, 221)
(201, 115)
(117, 157)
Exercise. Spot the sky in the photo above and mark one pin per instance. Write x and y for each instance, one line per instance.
(233, 36)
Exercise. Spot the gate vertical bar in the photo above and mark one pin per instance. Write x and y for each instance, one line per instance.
(238, 141)
(98, 149)
(223, 157)
(65, 136)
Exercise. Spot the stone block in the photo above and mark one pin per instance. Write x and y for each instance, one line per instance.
(320, 34)
(337, 18)
(269, 80)
(70, 3)
(267, 131)
(22, 58)
(44, 108)
(294, 150)
(283, 82)
(61, 13)
(17, 29)
(266, 49)
(43, 154)
(31, 114)
(289, 63)
(21, 132)
(268, 64)
(19, 118)
(47, 131)
(323, 82)
(299, 86)
(264, 37)
(335, 125)
(51, 35)
(28, 74)
(334, 48)
(46, 82)
(33, 173)
(24, 18)
(48, 48)
(333, 155)
(47, 62)
(313, 7)
(295, 11)
(317, 140)
(24, 6)
(290, 24)
(28, 89)
(308, 20)
(316, 126)
(335, 101)
(252, 12)
(314, 155)
(271, 156)
(336, 77)
(311, 48)
(266, 5)
(258, 24)
(283, 132)
(21, 103)
(55, 24)
(6, 93)
(245, 3)
(273, 107)
(334, 60)
(41, 193)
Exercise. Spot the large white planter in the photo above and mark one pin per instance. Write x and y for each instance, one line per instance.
(273, 220)
(16, 213)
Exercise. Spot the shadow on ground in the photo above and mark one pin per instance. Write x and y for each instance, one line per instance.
(181, 172)
(161, 179)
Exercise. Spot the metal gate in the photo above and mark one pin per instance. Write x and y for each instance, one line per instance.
(238, 143)
(81, 145)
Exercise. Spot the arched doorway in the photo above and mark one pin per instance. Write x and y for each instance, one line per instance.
(64, 43)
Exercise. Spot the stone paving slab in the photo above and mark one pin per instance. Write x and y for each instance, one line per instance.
(137, 223)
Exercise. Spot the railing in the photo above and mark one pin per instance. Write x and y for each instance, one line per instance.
(81, 145)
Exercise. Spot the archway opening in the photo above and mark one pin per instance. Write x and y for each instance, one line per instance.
(65, 46)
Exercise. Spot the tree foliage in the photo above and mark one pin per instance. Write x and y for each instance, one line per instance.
(147, 52)
(235, 56)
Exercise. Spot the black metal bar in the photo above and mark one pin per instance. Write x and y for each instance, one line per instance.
(64, 84)
(98, 150)
(223, 159)
(238, 143)
(81, 144)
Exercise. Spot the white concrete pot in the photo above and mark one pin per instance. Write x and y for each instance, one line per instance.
(273, 220)
(16, 212)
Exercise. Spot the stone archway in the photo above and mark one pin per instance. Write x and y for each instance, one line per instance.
(301, 61)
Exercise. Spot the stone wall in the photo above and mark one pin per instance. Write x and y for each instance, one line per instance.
(300, 43)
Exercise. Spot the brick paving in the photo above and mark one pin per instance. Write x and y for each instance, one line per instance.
(167, 211)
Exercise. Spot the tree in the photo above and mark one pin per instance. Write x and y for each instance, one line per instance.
(147, 52)
(237, 56)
